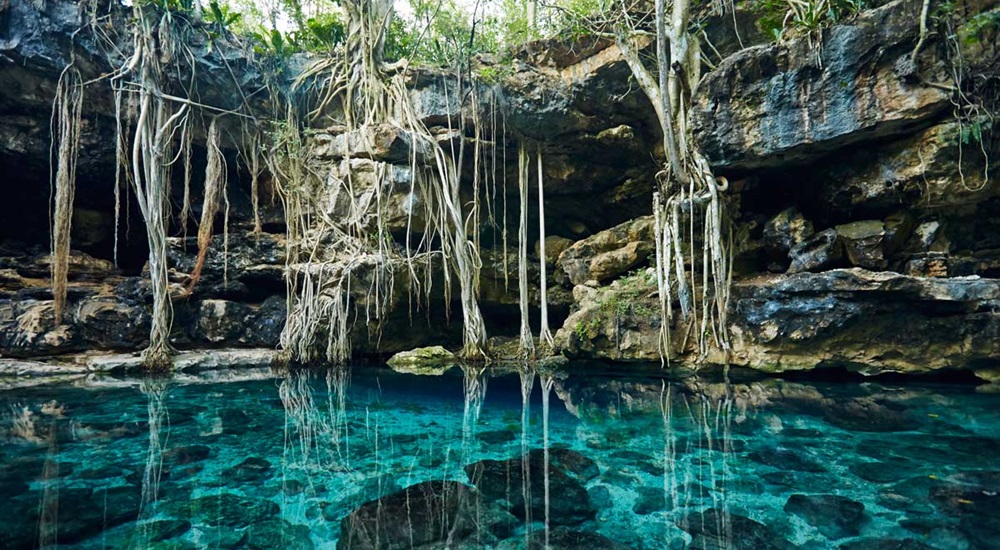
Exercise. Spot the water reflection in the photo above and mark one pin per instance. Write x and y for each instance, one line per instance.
(374, 459)
(156, 391)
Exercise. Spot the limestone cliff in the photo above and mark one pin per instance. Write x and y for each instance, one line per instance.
(865, 219)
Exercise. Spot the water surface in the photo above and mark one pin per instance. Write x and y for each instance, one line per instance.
(366, 457)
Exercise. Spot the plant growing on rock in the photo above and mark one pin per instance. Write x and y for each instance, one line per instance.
(687, 193)
(328, 255)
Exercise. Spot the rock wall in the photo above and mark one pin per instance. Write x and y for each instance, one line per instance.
(865, 219)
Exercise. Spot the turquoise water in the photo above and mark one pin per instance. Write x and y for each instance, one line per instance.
(369, 458)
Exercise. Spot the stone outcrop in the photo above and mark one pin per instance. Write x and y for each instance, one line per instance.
(610, 253)
(793, 102)
(869, 322)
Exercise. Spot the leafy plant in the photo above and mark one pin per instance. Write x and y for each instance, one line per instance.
(325, 32)
(221, 16)
(974, 130)
(779, 16)
(981, 26)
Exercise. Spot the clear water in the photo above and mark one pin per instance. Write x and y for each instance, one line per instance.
(282, 461)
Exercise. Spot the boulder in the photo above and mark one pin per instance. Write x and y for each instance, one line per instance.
(434, 361)
(784, 231)
(554, 246)
(425, 513)
(610, 253)
(835, 516)
(820, 252)
(863, 241)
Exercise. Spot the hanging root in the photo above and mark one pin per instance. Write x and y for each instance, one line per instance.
(66, 112)
(545, 335)
(337, 233)
(527, 341)
(215, 182)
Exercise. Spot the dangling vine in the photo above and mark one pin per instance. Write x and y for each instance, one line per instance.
(215, 185)
(336, 227)
(156, 125)
(65, 128)
(545, 335)
(687, 191)
(527, 341)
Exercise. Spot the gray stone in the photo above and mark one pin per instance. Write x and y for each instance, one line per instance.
(610, 253)
(822, 251)
(784, 231)
(835, 516)
(863, 241)
(797, 101)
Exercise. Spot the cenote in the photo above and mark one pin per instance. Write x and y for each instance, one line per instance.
(500, 274)
(371, 458)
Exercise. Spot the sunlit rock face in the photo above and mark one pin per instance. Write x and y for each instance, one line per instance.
(773, 104)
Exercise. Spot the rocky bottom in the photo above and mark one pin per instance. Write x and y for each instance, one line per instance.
(376, 459)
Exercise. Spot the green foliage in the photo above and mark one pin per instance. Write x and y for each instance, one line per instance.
(776, 17)
(325, 32)
(973, 130)
(981, 27)
(272, 43)
(494, 74)
(443, 33)
(221, 16)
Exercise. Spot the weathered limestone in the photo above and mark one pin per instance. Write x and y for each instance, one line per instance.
(792, 102)
(610, 253)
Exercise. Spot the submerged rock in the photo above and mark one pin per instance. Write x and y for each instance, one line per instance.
(786, 459)
(835, 516)
(278, 533)
(562, 538)
(872, 543)
(224, 509)
(252, 470)
(716, 529)
(649, 500)
(505, 480)
(420, 514)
